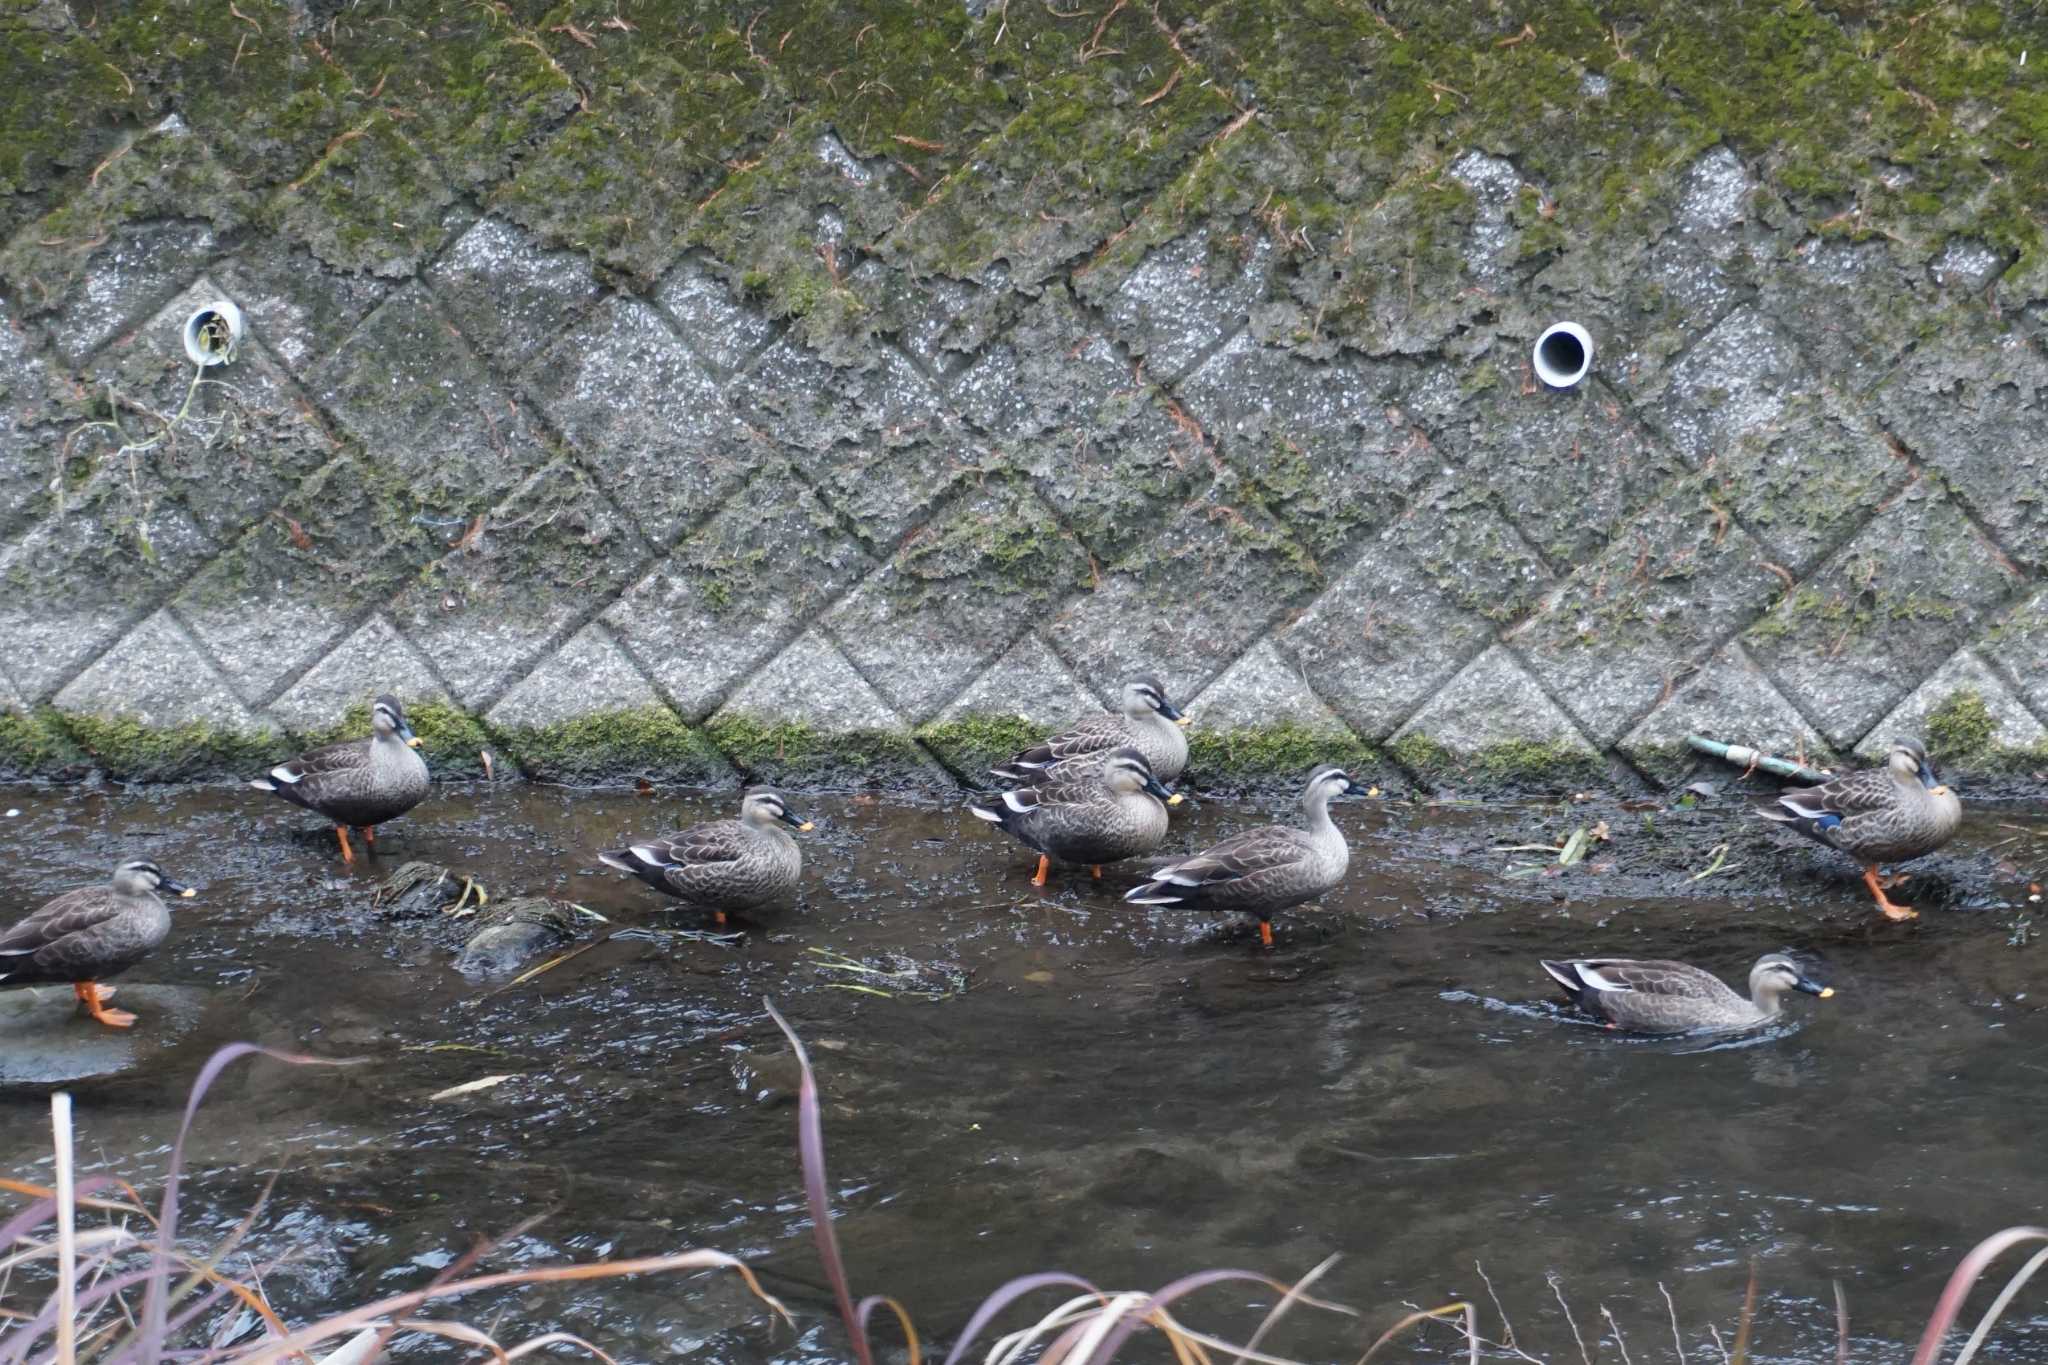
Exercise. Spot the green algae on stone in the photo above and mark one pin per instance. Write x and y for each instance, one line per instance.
(1962, 736)
(970, 744)
(604, 747)
(1511, 765)
(129, 751)
(33, 744)
(1274, 756)
(789, 751)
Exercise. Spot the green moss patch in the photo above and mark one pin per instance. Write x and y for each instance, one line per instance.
(1509, 766)
(1962, 737)
(1274, 756)
(970, 744)
(34, 745)
(782, 751)
(616, 746)
(129, 751)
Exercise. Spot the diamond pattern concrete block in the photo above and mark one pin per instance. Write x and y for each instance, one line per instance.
(540, 563)
(25, 387)
(1616, 635)
(1743, 408)
(156, 678)
(508, 294)
(2013, 727)
(1470, 551)
(1379, 641)
(1716, 193)
(74, 582)
(1738, 378)
(294, 304)
(944, 323)
(807, 716)
(1030, 683)
(587, 674)
(1103, 446)
(878, 441)
(716, 326)
(1973, 406)
(375, 659)
(291, 586)
(1198, 593)
(811, 684)
(1259, 691)
(1329, 446)
(953, 595)
(247, 438)
(630, 397)
(1570, 470)
(140, 266)
(419, 400)
(2019, 644)
(1187, 295)
(1492, 702)
(737, 589)
(1729, 699)
(1914, 586)
(1851, 308)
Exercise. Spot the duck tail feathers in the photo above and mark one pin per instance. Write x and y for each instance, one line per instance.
(1154, 893)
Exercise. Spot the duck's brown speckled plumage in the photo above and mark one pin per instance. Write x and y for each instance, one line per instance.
(360, 783)
(91, 934)
(1266, 869)
(1089, 814)
(1148, 722)
(1878, 816)
(1660, 996)
(723, 865)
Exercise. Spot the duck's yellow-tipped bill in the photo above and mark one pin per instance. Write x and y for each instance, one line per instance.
(1175, 799)
(1185, 721)
(188, 893)
(414, 742)
(806, 827)
(1826, 991)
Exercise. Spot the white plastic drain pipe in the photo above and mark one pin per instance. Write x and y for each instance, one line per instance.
(1563, 355)
(213, 332)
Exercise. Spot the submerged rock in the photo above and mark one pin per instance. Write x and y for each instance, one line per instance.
(512, 931)
(45, 1039)
(419, 889)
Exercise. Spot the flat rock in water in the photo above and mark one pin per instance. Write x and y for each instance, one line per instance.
(46, 1039)
(511, 931)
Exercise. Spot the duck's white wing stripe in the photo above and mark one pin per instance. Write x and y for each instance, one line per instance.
(1591, 977)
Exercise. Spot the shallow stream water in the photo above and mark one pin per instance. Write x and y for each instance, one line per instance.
(1122, 1094)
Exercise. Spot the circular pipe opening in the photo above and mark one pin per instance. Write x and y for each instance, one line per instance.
(212, 333)
(1563, 354)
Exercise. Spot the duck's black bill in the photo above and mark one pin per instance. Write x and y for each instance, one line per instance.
(1158, 789)
(1354, 789)
(176, 888)
(1812, 987)
(405, 733)
(795, 822)
(1166, 709)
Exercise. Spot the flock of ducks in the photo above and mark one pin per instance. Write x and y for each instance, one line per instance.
(1094, 794)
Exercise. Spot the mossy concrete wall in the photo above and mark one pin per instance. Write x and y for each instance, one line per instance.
(832, 391)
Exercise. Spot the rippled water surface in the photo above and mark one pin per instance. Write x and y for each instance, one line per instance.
(1122, 1094)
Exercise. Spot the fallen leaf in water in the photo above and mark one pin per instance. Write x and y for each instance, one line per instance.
(485, 755)
(1601, 832)
(472, 1087)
